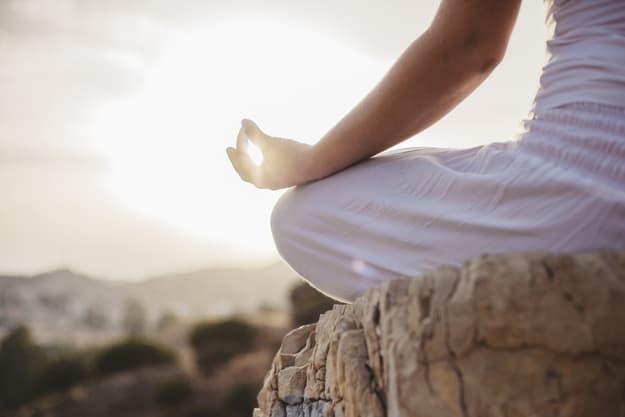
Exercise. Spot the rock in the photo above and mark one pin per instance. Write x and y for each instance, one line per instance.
(527, 334)
(296, 339)
(291, 384)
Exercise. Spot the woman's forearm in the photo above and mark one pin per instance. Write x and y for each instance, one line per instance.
(432, 76)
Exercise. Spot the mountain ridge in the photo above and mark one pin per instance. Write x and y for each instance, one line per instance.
(62, 301)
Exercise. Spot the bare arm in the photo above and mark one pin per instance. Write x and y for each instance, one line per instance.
(465, 42)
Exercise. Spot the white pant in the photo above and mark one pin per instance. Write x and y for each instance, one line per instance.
(560, 188)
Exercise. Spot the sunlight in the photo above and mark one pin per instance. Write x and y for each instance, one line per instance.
(165, 143)
(254, 152)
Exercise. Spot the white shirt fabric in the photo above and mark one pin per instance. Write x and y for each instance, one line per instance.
(586, 54)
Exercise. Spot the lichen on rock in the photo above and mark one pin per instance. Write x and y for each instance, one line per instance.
(525, 334)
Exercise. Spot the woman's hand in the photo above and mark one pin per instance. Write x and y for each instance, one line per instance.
(284, 162)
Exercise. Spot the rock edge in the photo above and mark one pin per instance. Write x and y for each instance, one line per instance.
(527, 334)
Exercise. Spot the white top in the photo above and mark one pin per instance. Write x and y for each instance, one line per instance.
(586, 54)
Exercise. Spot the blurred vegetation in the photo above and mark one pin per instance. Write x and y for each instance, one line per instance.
(216, 342)
(135, 319)
(28, 370)
(174, 391)
(226, 385)
(307, 304)
(64, 372)
(132, 353)
(205, 411)
(166, 321)
(241, 400)
(22, 364)
(95, 319)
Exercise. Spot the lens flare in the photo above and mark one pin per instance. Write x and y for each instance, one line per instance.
(254, 152)
(359, 266)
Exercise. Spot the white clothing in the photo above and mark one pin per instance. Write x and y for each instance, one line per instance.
(560, 187)
(586, 54)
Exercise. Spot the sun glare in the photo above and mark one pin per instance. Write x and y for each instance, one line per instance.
(165, 143)
(254, 152)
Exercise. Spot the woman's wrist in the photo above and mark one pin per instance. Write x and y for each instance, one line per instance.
(316, 165)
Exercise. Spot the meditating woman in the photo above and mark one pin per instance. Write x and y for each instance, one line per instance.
(354, 220)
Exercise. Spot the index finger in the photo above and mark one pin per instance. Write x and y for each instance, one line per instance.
(242, 165)
(242, 140)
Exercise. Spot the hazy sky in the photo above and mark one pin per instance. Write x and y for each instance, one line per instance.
(114, 117)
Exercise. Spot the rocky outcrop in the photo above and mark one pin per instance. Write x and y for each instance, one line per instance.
(506, 335)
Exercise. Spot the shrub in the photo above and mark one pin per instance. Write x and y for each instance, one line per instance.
(241, 400)
(307, 304)
(234, 330)
(173, 391)
(22, 363)
(211, 356)
(134, 320)
(166, 321)
(216, 342)
(204, 411)
(63, 373)
(130, 354)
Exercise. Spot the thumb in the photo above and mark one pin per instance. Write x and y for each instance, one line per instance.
(253, 132)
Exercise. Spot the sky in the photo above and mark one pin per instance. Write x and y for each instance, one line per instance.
(115, 116)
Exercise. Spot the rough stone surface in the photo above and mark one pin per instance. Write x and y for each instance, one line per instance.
(291, 384)
(528, 334)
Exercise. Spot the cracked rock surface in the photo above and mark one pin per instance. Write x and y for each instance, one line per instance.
(528, 334)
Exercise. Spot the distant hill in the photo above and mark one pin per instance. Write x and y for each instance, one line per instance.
(63, 303)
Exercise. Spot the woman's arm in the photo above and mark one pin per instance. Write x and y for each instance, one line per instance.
(465, 42)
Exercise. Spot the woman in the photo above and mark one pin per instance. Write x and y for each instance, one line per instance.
(350, 224)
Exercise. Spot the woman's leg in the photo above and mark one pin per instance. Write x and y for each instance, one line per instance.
(406, 213)
(369, 223)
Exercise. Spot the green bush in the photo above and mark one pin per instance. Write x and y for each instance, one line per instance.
(173, 391)
(231, 330)
(63, 373)
(22, 363)
(241, 400)
(204, 411)
(307, 304)
(216, 342)
(130, 354)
